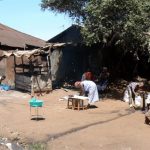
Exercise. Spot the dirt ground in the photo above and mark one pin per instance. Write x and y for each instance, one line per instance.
(109, 125)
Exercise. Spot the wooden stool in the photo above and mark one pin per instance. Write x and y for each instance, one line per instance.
(78, 104)
(70, 103)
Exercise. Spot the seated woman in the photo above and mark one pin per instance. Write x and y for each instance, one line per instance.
(87, 76)
(103, 79)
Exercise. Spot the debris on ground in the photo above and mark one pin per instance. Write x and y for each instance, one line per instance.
(5, 144)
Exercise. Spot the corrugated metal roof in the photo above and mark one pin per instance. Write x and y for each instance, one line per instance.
(14, 38)
(70, 35)
(28, 53)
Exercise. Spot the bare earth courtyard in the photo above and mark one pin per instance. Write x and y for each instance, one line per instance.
(110, 125)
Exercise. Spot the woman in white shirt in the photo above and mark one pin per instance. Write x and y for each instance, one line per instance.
(131, 92)
(90, 88)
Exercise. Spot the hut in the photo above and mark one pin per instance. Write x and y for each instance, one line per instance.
(32, 68)
(10, 40)
(72, 60)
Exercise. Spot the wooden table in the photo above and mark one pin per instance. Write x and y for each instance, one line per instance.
(77, 102)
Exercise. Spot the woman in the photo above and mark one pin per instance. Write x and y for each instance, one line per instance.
(88, 87)
(131, 92)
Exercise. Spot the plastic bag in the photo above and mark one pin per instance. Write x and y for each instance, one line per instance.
(138, 100)
(126, 96)
(147, 100)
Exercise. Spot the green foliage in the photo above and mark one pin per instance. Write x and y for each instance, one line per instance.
(119, 22)
(112, 22)
(75, 8)
(37, 146)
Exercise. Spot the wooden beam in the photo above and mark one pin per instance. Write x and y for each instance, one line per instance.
(22, 63)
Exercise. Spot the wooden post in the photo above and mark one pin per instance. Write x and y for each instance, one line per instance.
(143, 96)
(49, 62)
(15, 64)
(22, 63)
(31, 70)
(15, 69)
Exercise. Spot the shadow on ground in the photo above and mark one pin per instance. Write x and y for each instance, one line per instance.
(77, 129)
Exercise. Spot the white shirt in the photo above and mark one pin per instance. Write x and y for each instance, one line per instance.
(133, 85)
(91, 88)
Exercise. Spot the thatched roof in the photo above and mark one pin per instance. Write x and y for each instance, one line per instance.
(13, 38)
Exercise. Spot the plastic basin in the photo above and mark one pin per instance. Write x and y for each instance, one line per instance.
(36, 103)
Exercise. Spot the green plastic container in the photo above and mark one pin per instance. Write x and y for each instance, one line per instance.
(35, 102)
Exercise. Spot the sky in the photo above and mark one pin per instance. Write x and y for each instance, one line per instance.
(26, 16)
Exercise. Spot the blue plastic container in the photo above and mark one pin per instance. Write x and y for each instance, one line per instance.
(35, 102)
(5, 87)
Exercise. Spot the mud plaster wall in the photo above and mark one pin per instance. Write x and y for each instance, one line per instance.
(2, 67)
(10, 74)
(7, 69)
(55, 58)
(41, 83)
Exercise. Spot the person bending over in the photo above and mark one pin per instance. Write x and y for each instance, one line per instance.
(88, 88)
(131, 92)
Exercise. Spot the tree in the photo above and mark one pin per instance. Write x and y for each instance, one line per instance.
(117, 24)
(120, 22)
(74, 8)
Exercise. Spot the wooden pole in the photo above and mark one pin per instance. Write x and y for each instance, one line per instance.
(22, 63)
(15, 64)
